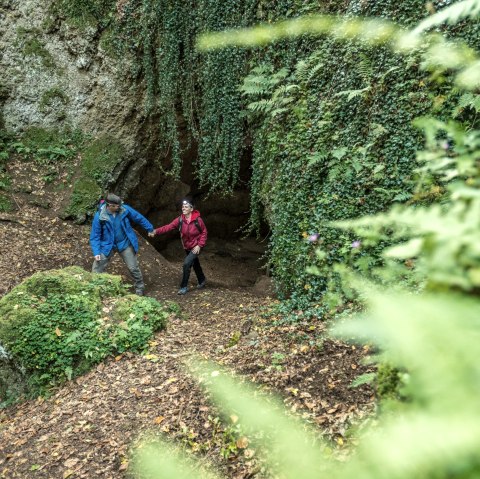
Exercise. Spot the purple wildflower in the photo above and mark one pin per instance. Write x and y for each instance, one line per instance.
(313, 238)
(356, 244)
(445, 145)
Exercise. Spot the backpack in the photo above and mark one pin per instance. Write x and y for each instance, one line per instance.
(180, 222)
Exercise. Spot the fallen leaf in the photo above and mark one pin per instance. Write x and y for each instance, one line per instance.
(249, 453)
(151, 357)
(72, 462)
(58, 332)
(242, 442)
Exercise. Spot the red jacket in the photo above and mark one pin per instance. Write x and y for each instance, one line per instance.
(190, 234)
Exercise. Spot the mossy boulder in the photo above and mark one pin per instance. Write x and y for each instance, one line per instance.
(57, 324)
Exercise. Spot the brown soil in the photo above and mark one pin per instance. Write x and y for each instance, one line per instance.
(86, 428)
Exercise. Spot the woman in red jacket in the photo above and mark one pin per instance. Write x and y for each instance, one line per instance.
(194, 237)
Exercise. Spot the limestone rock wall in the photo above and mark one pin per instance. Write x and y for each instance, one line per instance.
(54, 74)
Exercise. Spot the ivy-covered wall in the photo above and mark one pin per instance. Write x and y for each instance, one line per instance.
(329, 123)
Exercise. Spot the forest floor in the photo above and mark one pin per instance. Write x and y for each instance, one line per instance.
(87, 428)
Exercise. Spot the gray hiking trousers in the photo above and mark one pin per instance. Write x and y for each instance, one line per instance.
(130, 259)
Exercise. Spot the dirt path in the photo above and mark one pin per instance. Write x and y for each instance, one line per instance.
(86, 428)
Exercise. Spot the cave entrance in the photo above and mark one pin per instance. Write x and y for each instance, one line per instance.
(232, 259)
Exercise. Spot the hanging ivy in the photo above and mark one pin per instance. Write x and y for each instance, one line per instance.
(330, 123)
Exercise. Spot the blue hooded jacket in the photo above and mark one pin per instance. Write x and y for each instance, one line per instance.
(102, 236)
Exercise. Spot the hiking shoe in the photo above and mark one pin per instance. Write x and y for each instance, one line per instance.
(182, 291)
(140, 293)
(201, 285)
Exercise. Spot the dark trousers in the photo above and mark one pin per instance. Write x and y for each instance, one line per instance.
(191, 260)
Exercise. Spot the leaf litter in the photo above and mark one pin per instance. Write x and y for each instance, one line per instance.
(87, 427)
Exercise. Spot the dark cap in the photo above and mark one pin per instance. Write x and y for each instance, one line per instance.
(188, 202)
(113, 199)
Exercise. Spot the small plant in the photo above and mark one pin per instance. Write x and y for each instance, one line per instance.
(5, 204)
(277, 360)
(234, 339)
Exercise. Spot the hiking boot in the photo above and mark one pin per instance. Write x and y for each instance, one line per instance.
(182, 291)
(140, 292)
(201, 285)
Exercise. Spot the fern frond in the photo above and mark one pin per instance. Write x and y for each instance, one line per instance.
(263, 105)
(353, 93)
(469, 100)
(315, 158)
(450, 15)
(278, 111)
(315, 70)
(301, 70)
(366, 378)
(401, 197)
(365, 68)
(284, 90)
(304, 71)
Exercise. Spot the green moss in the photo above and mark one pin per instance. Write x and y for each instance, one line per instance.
(49, 24)
(85, 195)
(37, 138)
(34, 47)
(57, 324)
(53, 97)
(48, 146)
(84, 13)
(101, 157)
(5, 203)
(98, 161)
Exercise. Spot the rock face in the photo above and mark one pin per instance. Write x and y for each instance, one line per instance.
(54, 74)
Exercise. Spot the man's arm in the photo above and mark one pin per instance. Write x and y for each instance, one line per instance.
(95, 236)
(139, 219)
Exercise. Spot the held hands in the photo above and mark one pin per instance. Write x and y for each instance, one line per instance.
(196, 250)
(98, 257)
(151, 234)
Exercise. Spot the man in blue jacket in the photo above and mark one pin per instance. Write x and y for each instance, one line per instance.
(112, 232)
